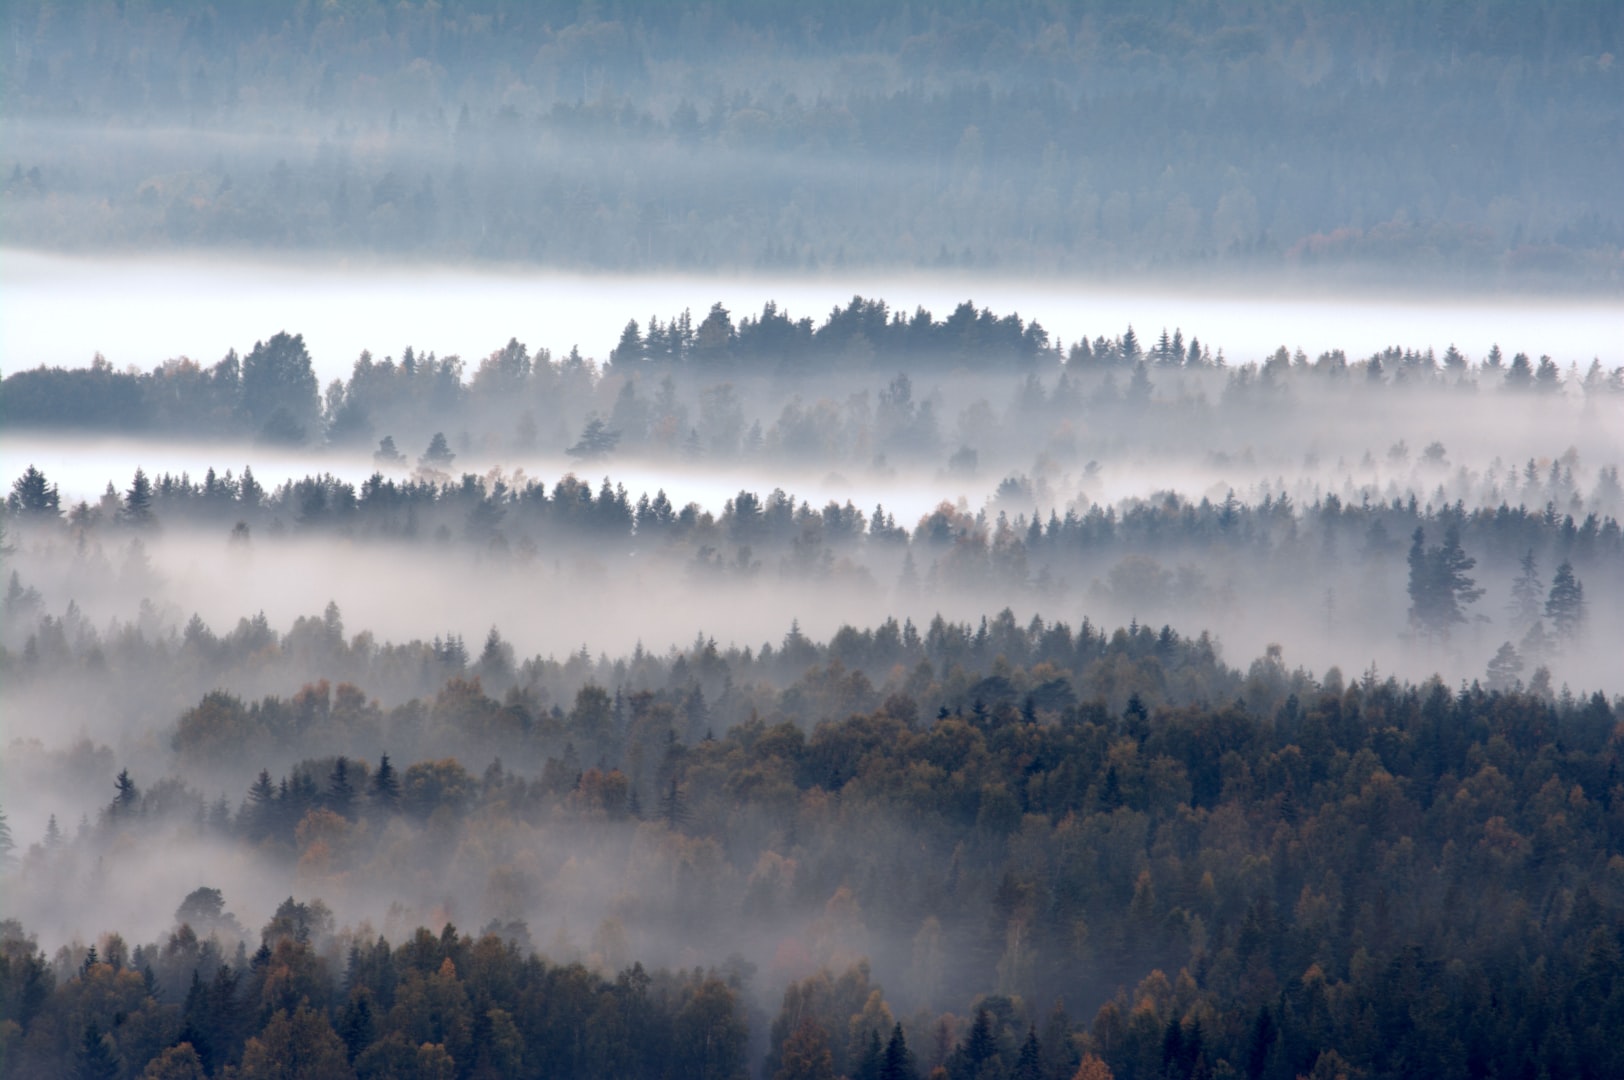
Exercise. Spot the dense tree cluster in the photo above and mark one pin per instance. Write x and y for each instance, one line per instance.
(769, 387)
(744, 135)
(1145, 556)
(316, 1006)
(1319, 875)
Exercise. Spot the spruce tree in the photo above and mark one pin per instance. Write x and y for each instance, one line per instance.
(1565, 606)
(385, 786)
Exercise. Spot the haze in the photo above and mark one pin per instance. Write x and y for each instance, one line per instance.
(990, 541)
(62, 310)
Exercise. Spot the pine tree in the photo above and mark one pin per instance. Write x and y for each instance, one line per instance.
(1527, 593)
(260, 812)
(1439, 586)
(137, 508)
(125, 797)
(1504, 668)
(899, 1061)
(96, 1058)
(385, 792)
(674, 806)
(340, 791)
(1565, 606)
(35, 497)
(1129, 347)
(1029, 1064)
(438, 455)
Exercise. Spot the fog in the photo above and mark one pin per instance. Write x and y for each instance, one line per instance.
(60, 310)
(814, 491)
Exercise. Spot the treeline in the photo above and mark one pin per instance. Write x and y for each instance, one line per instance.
(728, 390)
(1009, 540)
(1321, 875)
(446, 1006)
(1473, 574)
(985, 135)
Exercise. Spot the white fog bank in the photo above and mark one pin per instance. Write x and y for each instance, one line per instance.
(61, 310)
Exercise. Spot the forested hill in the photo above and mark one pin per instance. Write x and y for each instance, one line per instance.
(1274, 876)
(1463, 143)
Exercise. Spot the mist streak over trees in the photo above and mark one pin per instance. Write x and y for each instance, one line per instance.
(934, 670)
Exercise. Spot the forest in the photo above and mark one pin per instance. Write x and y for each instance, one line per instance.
(944, 839)
(1259, 874)
(984, 540)
(1471, 144)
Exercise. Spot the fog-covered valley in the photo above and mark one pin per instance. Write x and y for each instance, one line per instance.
(986, 542)
(596, 627)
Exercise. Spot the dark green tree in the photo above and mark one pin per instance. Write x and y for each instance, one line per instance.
(1439, 586)
(597, 441)
(1520, 376)
(97, 1058)
(137, 508)
(899, 1060)
(280, 396)
(126, 796)
(438, 455)
(674, 806)
(340, 790)
(1565, 606)
(34, 497)
(385, 792)
(387, 454)
(628, 352)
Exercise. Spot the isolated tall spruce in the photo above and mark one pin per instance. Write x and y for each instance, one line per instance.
(1439, 586)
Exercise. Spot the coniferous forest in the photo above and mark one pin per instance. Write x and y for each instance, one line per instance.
(882, 690)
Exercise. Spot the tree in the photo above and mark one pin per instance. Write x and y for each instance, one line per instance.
(280, 395)
(340, 791)
(806, 1054)
(674, 806)
(303, 1046)
(137, 509)
(1439, 586)
(628, 353)
(1547, 377)
(1565, 606)
(387, 453)
(1092, 1068)
(33, 497)
(385, 786)
(204, 910)
(126, 796)
(1520, 376)
(438, 455)
(899, 1061)
(1130, 347)
(179, 1062)
(1504, 668)
(97, 1057)
(597, 441)
(1527, 592)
